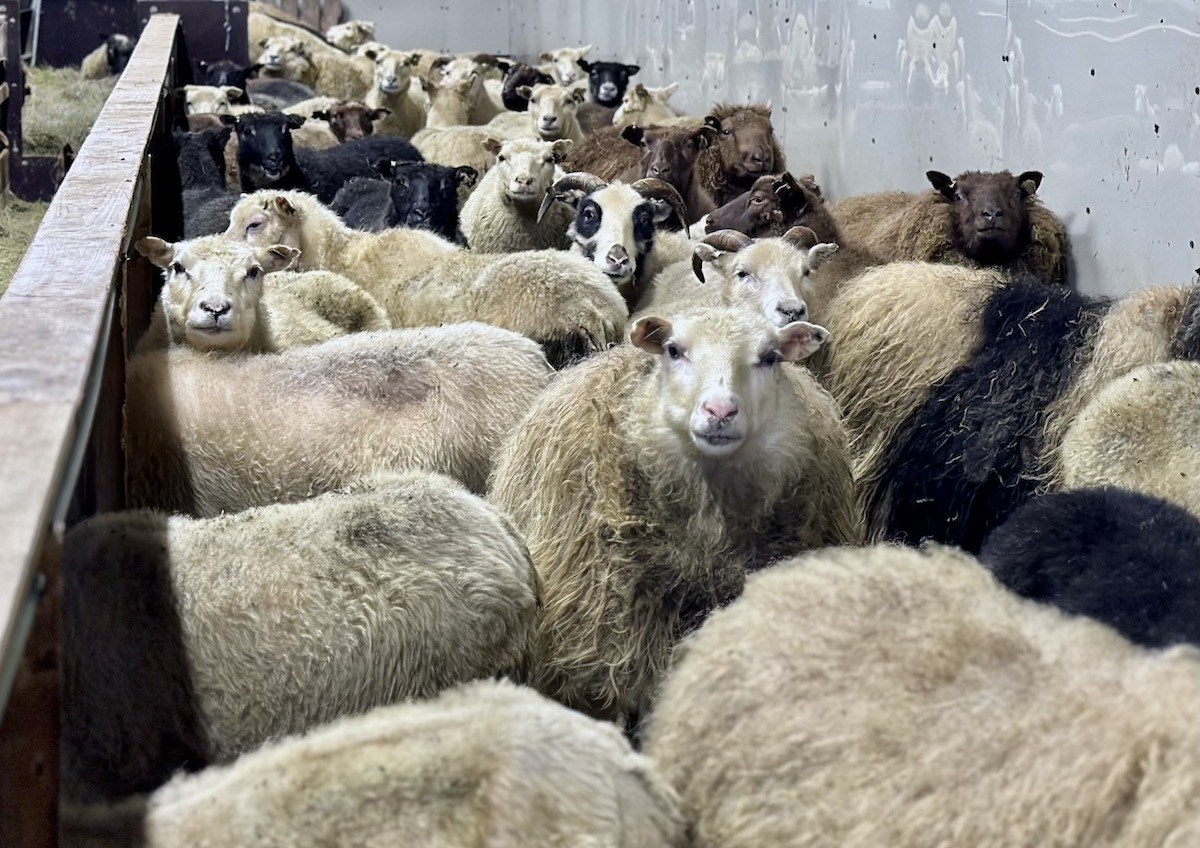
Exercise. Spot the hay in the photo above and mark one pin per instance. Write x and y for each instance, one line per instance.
(61, 108)
(18, 222)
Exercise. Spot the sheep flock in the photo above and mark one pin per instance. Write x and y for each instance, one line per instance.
(518, 461)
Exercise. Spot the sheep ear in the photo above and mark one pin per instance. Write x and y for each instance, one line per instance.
(560, 149)
(818, 253)
(634, 134)
(941, 182)
(650, 334)
(322, 115)
(504, 66)
(467, 176)
(263, 42)
(1030, 182)
(278, 257)
(370, 53)
(801, 238)
(386, 168)
(427, 86)
(704, 137)
(295, 122)
(413, 59)
(284, 206)
(228, 120)
(231, 91)
(711, 121)
(160, 252)
(524, 91)
(379, 114)
(667, 91)
(809, 181)
(800, 340)
(546, 57)
(768, 106)
(632, 69)
(584, 63)
(492, 146)
(252, 70)
(578, 94)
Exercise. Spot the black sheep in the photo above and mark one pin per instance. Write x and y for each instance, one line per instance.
(229, 73)
(1124, 558)
(517, 75)
(411, 194)
(967, 457)
(201, 164)
(607, 81)
(365, 203)
(274, 93)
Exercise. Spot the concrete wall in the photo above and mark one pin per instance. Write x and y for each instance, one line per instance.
(1102, 96)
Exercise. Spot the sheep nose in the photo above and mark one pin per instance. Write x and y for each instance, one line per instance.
(655, 171)
(523, 181)
(216, 308)
(792, 311)
(993, 213)
(618, 258)
(549, 120)
(720, 411)
(759, 157)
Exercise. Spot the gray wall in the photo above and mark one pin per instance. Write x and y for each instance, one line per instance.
(1102, 96)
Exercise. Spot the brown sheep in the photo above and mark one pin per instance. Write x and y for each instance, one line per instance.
(350, 119)
(978, 219)
(672, 154)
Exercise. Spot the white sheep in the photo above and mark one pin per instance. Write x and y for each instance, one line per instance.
(351, 34)
(563, 63)
(261, 26)
(223, 295)
(649, 480)
(198, 639)
(645, 107)
(553, 108)
(501, 215)
(329, 71)
(470, 73)
(420, 279)
(392, 90)
(209, 99)
(889, 696)
(446, 138)
(487, 764)
(208, 434)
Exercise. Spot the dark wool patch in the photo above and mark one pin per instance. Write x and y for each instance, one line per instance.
(1187, 340)
(565, 352)
(1129, 560)
(963, 461)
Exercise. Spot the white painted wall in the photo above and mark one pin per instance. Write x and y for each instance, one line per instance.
(1102, 96)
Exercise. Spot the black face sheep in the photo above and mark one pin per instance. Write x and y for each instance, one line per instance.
(648, 480)
(194, 640)
(425, 196)
(671, 154)
(517, 76)
(364, 203)
(226, 73)
(888, 696)
(607, 81)
(1122, 557)
(488, 764)
(976, 219)
(110, 57)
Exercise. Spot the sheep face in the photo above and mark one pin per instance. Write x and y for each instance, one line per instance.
(607, 80)
(351, 119)
(771, 276)
(393, 71)
(213, 287)
(989, 215)
(265, 154)
(117, 50)
(425, 196)
(746, 141)
(640, 100)
(284, 56)
(563, 63)
(209, 99)
(669, 153)
(349, 35)
(228, 73)
(460, 72)
(517, 77)
(526, 166)
(552, 107)
(614, 228)
(266, 218)
(718, 376)
(773, 204)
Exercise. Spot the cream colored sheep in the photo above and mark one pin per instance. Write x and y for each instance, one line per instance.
(420, 279)
(260, 27)
(563, 63)
(109, 58)
(331, 72)
(897, 697)
(391, 89)
(645, 107)
(1141, 432)
(351, 34)
(196, 640)
(650, 479)
(209, 99)
(219, 295)
(470, 72)
(446, 138)
(501, 215)
(553, 108)
(208, 434)
(487, 764)
(287, 57)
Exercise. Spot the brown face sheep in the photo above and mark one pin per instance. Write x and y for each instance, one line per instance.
(979, 219)
(775, 204)
(671, 154)
(888, 696)
(650, 479)
(351, 119)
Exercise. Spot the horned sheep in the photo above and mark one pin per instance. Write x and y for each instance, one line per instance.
(560, 300)
(488, 763)
(888, 696)
(205, 434)
(501, 215)
(649, 480)
(231, 631)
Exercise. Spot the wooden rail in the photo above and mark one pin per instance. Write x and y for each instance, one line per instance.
(67, 323)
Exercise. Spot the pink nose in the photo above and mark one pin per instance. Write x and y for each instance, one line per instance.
(720, 410)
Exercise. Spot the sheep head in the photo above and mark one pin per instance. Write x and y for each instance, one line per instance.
(774, 204)
(424, 195)
(553, 108)
(526, 166)
(351, 34)
(117, 50)
(669, 153)
(213, 289)
(607, 81)
(285, 56)
(989, 212)
(520, 75)
(746, 142)
(350, 119)
(645, 106)
(562, 63)
(209, 99)
(265, 152)
(393, 70)
(718, 379)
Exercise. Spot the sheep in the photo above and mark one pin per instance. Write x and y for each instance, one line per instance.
(516, 76)
(326, 68)
(209, 99)
(109, 58)
(614, 227)
(351, 34)
(221, 295)
(391, 90)
(607, 81)
(1122, 557)
(1141, 432)
(553, 110)
(286, 57)
(555, 298)
(975, 219)
(201, 164)
(500, 216)
(488, 763)
(261, 26)
(365, 203)
(449, 102)
(672, 154)
(646, 488)
(765, 275)
(421, 195)
(644, 106)
(888, 696)
(234, 630)
(205, 435)
(346, 119)
(774, 204)
(277, 94)
(563, 63)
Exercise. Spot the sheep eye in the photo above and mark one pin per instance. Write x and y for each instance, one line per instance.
(253, 225)
(770, 359)
(252, 274)
(673, 351)
(742, 274)
(501, 158)
(757, 199)
(177, 268)
(726, 132)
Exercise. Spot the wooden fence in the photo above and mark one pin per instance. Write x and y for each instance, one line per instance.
(68, 322)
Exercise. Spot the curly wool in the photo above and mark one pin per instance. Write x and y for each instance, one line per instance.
(713, 172)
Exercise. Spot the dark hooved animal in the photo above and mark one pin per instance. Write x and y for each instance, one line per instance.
(607, 81)
(774, 204)
(274, 94)
(1124, 558)
(516, 76)
(671, 154)
(420, 195)
(225, 72)
(117, 50)
(351, 119)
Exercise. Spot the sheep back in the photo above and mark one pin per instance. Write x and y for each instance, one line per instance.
(896, 697)
(607, 155)
(492, 223)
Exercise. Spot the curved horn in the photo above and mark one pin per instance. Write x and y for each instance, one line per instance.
(653, 189)
(801, 237)
(728, 240)
(574, 181)
(439, 63)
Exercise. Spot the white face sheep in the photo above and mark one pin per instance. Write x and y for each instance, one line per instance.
(393, 70)
(563, 63)
(645, 106)
(501, 215)
(210, 99)
(553, 110)
(285, 56)
(214, 287)
(526, 167)
(351, 34)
